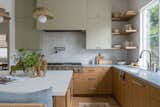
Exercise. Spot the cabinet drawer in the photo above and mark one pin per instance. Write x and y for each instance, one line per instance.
(85, 83)
(89, 69)
(78, 92)
(105, 91)
(95, 69)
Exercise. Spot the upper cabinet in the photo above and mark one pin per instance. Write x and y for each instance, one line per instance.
(98, 32)
(93, 16)
(26, 36)
(68, 14)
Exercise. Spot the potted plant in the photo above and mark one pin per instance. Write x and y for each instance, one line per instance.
(29, 59)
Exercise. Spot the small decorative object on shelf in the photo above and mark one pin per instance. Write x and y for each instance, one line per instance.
(30, 62)
(129, 45)
(117, 46)
(126, 30)
(115, 31)
(116, 14)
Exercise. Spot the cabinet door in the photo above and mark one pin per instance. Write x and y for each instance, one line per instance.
(116, 85)
(68, 14)
(85, 83)
(98, 35)
(154, 97)
(155, 103)
(140, 94)
(125, 91)
(26, 35)
(93, 81)
(104, 81)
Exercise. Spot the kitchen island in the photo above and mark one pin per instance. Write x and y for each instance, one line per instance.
(59, 80)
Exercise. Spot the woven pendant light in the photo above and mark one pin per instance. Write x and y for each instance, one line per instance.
(42, 14)
(4, 16)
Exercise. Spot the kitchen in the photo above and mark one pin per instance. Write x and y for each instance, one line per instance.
(94, 53)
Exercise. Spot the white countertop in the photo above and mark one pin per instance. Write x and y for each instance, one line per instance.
(59, 80)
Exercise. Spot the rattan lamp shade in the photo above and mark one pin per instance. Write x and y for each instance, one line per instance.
(4, 14)
(41, 11)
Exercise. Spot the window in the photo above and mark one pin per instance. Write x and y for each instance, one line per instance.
(3, 46)
(150, 34)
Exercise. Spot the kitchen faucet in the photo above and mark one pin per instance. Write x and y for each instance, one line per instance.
(149, 52)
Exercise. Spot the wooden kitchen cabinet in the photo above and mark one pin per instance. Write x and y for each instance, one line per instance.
(63, 101)
(154, 97)
(104, 81)
(140, 93)
(68, 14)
(125, 90)
(93, 81)
(116, 85)
(121, 87)
(98, 32)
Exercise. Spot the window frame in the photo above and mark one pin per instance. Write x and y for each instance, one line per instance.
(143, 31)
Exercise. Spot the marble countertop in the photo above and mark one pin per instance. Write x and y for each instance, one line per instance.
(96, 65)
(152, 78)
(59, 80)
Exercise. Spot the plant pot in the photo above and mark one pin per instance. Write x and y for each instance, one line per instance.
(44, 68)
(38, 71)
(31, 71)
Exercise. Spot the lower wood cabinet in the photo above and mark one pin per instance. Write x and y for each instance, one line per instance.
(140, 93)
(121, 88)
(92, 81)
(129, 91)
(125, 90)
(63, 101)
(116, 85)
(154, 97)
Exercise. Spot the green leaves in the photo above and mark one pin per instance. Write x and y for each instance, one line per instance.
(29, 58)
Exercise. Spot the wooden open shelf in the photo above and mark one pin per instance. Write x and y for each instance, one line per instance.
(127, 48)
(127, 32)
(126, 16)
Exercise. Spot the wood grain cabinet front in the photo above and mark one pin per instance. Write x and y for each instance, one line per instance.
(121, 87)
(63, 101)
(93, 81)
(130, 91)
(154, 97)
(140, 93)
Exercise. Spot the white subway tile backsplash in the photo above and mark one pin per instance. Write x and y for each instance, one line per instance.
(74, 43)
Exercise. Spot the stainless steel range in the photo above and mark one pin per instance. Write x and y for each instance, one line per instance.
(76, 67)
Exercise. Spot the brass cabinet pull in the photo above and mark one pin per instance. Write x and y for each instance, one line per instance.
(137, 83)
(92, 89)
(91, 79)
(91, 70)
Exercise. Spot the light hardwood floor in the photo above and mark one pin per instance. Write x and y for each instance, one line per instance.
(109, 100)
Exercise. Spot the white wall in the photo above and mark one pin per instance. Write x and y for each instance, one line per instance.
(9, 6)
